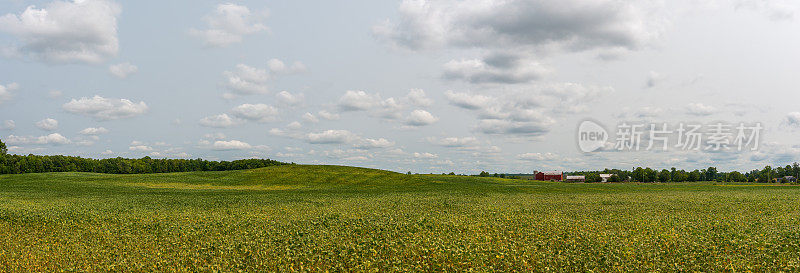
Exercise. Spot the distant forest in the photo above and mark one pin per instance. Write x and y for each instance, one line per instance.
(16, 164)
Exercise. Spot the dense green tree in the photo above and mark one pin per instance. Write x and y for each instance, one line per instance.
(664, 176)
(593, 177)
(3, 149)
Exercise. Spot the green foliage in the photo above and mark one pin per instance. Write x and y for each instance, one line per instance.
(318, 218)
(593, 178)
(664, 176)
(16, 164)
(3, 148)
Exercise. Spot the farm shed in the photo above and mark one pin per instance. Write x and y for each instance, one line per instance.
(604, 177)
(554, 176)
(576, 178)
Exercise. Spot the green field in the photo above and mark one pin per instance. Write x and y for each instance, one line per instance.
(316, 218)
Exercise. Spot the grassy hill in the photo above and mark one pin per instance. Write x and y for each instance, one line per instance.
(299, 217)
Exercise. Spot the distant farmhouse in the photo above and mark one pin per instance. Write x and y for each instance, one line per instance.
(549, 176)
(576, 178)
(604, 177)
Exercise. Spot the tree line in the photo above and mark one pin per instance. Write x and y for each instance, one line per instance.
(16, 164)
(766, 175)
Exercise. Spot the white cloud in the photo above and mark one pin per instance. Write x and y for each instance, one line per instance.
(8, 125)
(331, 137)
(467, 101)
(534, 127)
(53, 139)
(699, 109)
(570, 25)
(390, 108)
(47, 124)
(123, 70)
(418, 98)
(93, 131)
(290, 99)
(222, 145)
(5, 91)
(354, 100)
(537, 156)
(328, 115)
(421, 118)
(66, 31)
(309, 117)
(497, 68)
(247, 80)
(368, 143)
(218, 121)
(294, 125)
(425, 155)
(107, 152)
(255, 112)
(228, 24)
(279, 67)
(101, 108)
(140, 148)
(455, 141)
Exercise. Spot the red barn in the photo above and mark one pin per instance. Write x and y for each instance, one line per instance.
(545, 176)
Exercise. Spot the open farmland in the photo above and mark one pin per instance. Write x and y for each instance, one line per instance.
(319, 218)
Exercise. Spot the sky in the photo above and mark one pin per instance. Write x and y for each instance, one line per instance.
(420, 86)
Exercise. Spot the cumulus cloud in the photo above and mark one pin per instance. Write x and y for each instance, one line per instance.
(537, 156)
(454, 142)
(222, 145)
(140, 148)
(255, 112)
(498, 68)
(421, 118)
(228, 24)
(331, 137)
(369, 143)
(467, 101)
(418, 98)
(5, 91)
(47, 124)
(533, 127)
(570, 25)
(699, 109)
(309, 117)
(52, 139)
(93, 131)
(66, 31)
(279, 67)
(101, 108)
(328, 115)
(354, 100)
(248, 80)
(123, 70)
(290, 99)
(218, 121)
(425, 155)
